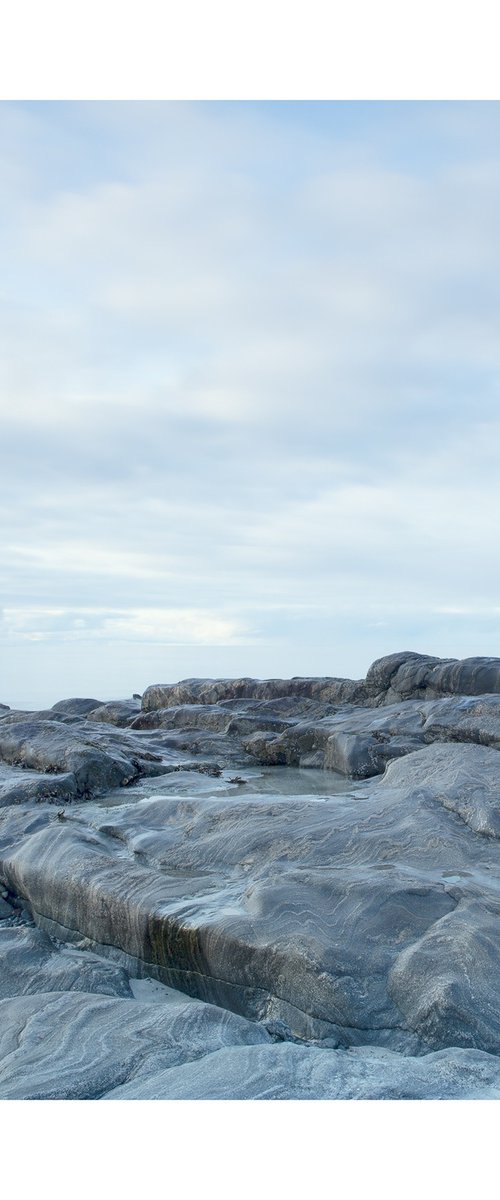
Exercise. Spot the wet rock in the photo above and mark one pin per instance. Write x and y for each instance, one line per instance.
(70, 1046)
(17, 716)
(462, 778)
(407, 675)
(284, 910)
(76, 706)
(357, 742)
(205, 717)
(464, 719)
(90, 764)
(446, 983)
(30, 964)
(214, 691)
(51, 789)
(116, 712)
(291, 1072)
(362, 918)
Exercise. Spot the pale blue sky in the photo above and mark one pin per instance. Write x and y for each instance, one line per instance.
(250, 389)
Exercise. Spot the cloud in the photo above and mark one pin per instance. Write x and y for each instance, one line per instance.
(249, 359)
(163, 626)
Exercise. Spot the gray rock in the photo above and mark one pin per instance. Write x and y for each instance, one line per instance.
(357, 742)
(27, 786)
(290, 1072)
(408, 675)
(288, 910)
(76, 706)
(363, 919)
(30, 964)
(116, 712)
(70, 1046)
(90, 761)
(463, 719)
(463, 779)
(446, 983)
(213, 691)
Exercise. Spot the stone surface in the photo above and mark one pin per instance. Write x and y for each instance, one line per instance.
(117, 712)
(288, 909)
(77, 706)
(91, 761)
(408, 676)
(290, 1072)
(71, 1046)
(212, 691)
(314, 862)
(29, 963)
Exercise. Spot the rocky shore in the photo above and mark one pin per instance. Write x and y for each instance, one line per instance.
(245, 889)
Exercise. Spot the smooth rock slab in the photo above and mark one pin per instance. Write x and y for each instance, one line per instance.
(289, 1072)
(72, 1046)
(115, 712)
(366, 918)
(288, 910)
(407, 675)
(466, 780)
(448, 982)
(29, 964)
(90, 760)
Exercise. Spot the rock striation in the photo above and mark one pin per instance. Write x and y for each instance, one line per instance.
(307, 871)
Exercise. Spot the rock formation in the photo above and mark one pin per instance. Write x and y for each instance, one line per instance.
(250, 889)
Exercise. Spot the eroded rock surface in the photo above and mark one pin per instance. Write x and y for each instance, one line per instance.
(336, 939)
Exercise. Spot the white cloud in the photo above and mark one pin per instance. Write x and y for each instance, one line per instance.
(81, 558)
(157, 625)
(249, 360)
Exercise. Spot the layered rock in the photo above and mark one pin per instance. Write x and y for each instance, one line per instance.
(213, 691)
(70, 760)
(360, 917)
(71, 1046)
(407, 676)
(290, 1072)
(283, 909)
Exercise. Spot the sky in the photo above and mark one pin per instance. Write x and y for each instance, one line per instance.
(249, 389)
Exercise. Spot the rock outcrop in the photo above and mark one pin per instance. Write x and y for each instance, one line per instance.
(324, 939)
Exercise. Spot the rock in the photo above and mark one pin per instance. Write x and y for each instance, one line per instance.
(463, 719)
(290, 1072)
(360, 917)
(358, 742)
(91, 763)
(213, 691)
(315, 903)
(51, 789)
(70, 1046)
(446, 983)
(116, 712)
(29, 964)
(18, 716)
(202, 717)
(463, 779)
(408, 676)
(76, 707)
